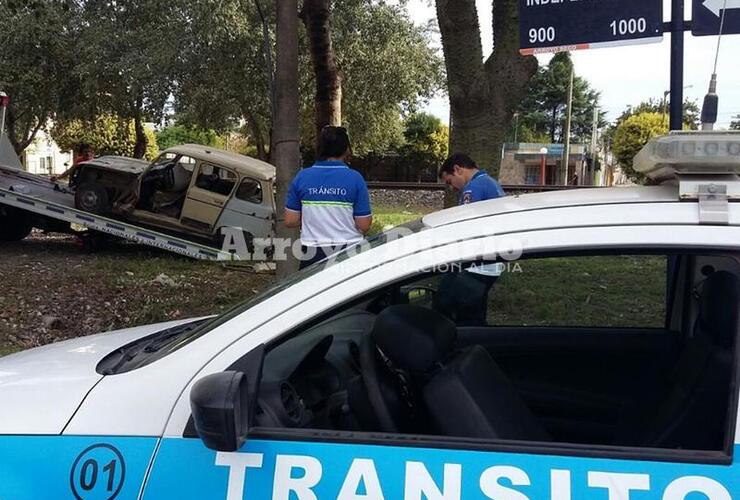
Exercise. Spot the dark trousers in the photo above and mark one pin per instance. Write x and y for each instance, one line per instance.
(321, 254)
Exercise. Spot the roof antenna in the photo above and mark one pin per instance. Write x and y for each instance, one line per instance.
(711, 100)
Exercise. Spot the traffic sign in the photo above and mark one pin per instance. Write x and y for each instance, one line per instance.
(557, 25)
(706, 14)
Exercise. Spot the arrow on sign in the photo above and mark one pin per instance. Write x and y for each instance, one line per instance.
(715, 6)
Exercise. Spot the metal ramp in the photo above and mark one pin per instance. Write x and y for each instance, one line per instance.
(35, 194)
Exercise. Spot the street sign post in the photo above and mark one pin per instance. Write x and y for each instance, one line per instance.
(706, 14)
(558, 25)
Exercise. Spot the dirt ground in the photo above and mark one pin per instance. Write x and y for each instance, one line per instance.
(51, 290)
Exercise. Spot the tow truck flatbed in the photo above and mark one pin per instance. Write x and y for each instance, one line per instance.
(40, 196)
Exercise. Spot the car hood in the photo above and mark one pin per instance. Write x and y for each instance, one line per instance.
(119, 164)
(40, 389)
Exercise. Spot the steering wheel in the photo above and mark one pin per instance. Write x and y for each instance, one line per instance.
(389, 395)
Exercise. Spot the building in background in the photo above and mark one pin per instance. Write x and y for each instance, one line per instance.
(44, 157)
(522, 164)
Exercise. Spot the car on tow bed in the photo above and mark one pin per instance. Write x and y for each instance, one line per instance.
(560, 345)
(191, 190)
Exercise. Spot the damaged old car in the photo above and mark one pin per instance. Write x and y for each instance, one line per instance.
(190, 189)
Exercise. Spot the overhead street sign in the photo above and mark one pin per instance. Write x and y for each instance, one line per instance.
(557, 25)
(706, 14)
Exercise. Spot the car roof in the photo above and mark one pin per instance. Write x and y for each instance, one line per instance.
(554, 199)
(244, 165)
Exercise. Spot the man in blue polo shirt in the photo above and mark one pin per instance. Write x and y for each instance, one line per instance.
(328, 201)
(461, 173)
(463, 296)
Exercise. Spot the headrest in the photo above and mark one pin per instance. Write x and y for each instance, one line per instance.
(414, 337)
(719, 314)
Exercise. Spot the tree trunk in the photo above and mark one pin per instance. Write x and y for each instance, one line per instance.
(285, 150)
(553, 124)
(141, 142)
(483, 96)
(27, 136)
(259, 139)
(316, 17)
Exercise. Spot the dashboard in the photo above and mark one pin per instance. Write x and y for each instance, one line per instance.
(306, 379)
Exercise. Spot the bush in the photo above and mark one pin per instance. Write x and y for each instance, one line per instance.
(107, 134)
(630, 137)
(184, 134)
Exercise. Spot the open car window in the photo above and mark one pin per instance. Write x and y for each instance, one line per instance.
(561, 359)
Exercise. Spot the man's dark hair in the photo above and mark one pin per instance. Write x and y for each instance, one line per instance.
(333, 142)
(459, 159)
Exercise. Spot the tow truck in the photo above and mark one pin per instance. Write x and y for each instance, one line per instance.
(171, 204)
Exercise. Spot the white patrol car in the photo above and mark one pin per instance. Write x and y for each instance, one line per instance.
(565, 346)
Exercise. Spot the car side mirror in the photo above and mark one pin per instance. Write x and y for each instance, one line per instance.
(219, 403)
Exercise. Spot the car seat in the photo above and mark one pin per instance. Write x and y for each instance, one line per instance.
(693, 414)
(465, 393)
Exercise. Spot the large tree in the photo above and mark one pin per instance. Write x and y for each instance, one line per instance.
(386, 62)
(483, 94)
(542, 112)
(224, 78)
(316, 15)
(127, 52)
(35, 64)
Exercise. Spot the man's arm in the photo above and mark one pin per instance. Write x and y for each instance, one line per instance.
(293, 206)
(363, 223)
(64, 175)
(292, 219)
(362, 211)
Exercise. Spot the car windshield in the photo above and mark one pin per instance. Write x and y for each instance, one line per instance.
(372, 242)
(137, 357)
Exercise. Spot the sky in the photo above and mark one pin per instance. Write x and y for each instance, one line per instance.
(628, 75)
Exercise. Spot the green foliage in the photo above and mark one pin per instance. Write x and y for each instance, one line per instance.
(632, 134)
(386, 62)
(427, 141)
(185, 134)
(126, 54)
(735, 124)
(388, 65)
(36, 57)
(691, 112)
(420, 126)
(542, 113)
(222, 77)
(107, 134)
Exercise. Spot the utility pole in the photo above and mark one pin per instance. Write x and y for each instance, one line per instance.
(676, 91)
(286, 155)
(594, 133)
(566, 152)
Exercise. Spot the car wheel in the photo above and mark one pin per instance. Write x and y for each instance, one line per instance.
(14, 224)
(92, 198)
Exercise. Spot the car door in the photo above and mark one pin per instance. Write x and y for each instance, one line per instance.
(308, 462)
(252, 208)
(209, 192)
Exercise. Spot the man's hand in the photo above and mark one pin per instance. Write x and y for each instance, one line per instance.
(363, 223)
(292, 219)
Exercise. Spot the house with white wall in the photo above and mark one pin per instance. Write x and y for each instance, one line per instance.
(43, 156)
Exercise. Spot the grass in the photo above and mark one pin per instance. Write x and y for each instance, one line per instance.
(386, 217)
(614, 291)
(124, 287)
